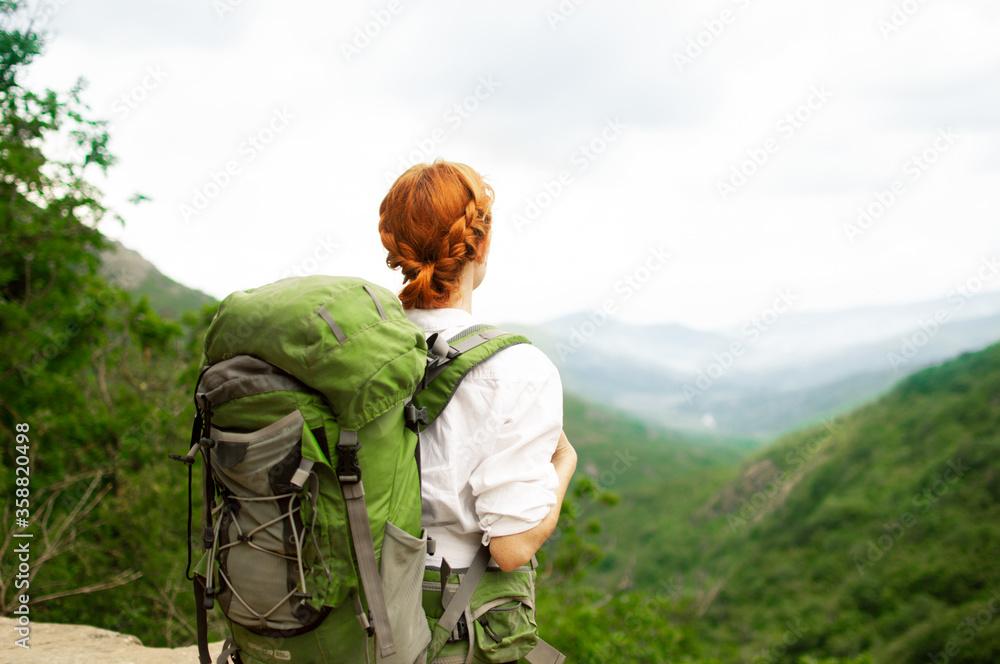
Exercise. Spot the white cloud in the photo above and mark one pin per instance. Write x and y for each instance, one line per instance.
(324, 175)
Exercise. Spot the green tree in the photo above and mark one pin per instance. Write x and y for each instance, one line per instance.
(90, 372)
(53, 303)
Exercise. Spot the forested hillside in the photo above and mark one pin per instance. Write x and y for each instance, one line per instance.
(878, 533)
(126, 269)
(874, 533)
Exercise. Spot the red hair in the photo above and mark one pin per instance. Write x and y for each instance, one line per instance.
(433, 222)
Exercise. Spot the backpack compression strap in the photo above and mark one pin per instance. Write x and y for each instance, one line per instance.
(349, 474)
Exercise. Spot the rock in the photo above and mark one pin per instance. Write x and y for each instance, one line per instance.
(124, 267)
(52, 643)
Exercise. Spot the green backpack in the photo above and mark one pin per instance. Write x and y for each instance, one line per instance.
(308, 410)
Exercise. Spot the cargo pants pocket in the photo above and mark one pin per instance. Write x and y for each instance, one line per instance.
(505, 630)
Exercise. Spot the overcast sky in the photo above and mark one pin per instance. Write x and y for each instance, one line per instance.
(673, 161)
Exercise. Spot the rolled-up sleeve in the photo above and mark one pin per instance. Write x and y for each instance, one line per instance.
(515, 484)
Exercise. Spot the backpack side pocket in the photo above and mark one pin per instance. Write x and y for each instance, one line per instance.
(403, 557)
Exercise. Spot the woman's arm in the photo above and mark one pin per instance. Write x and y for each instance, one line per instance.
(512, 551)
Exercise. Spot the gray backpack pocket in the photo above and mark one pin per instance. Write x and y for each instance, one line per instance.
(259, 530)
(403, 558)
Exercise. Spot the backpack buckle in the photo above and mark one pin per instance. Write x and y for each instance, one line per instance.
(440, 349)
(461, 632)
(348, 468)
(415, 415)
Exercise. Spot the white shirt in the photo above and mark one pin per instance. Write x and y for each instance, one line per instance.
(486, 461)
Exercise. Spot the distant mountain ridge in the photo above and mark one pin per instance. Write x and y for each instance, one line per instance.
(128, 270)
(759, 380)
(790, 370)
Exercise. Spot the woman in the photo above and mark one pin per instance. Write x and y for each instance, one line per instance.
(496, 464)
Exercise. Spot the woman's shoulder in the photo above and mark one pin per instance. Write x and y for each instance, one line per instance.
(519, 362)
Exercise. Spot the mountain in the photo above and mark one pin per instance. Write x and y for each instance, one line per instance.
(617, 450)
(791, 369)
(876, 532)
(771, 375)
(128, 270)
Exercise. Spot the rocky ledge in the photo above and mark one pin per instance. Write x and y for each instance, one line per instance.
(52, 643)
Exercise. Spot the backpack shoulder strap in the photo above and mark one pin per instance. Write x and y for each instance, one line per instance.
(448, 362)
(459, 602)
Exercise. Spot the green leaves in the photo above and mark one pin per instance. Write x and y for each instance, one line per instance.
(17, 47)
(92, 371)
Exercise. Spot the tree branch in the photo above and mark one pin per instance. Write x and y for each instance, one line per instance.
(120, 579)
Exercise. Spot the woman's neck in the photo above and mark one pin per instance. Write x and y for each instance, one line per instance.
(462, 297)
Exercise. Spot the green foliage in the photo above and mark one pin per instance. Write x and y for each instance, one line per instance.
(590, 626)
(17, 46)
(859, 531)
(92, 372)
(886, 516)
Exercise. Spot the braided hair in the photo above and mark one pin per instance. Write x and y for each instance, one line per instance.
(433, 222)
